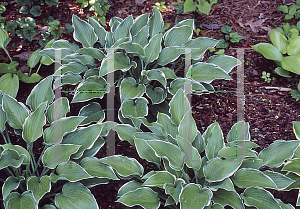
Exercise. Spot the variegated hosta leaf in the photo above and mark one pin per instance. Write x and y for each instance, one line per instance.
(18, 149)
(91, 72)
(292, 166)
(179, 105)
(168, 126)
(4, 38)
(283, 205)
(208, 131)
(268, 51)
(260, 198)
(226, 184)
(279, 179)
(129, 186)
(114, 22)
(71, 171)
(144, 196)
(247, 177)
(169, 54)
(195, 197)
(99, 30)
(279, 40)
(122, 30)
(199, 46)
(48, 207)
(169, 74)
(93, 52)
(15, 112)
(174, 189)
(33, 125)
(177, 36)
(206, 72)
(224, 197)
(192, 157)
(157, 95)
(159, 179)
(91, 182)
(291, 63)
(227, 63)
(94, 149)
(21, 201)
(156, 74)
(199, 142)
(239, 131)
(278, 152)
(185, 84)
(2, 115)
(54, 134)
(153, 48)
(145, 151)
(73, 67)
(135, 107)
(75, 195)
(96, 168)
(142, 36)
(133, 48)
(93, 87)
(83, 32)
(168, 151)
(117, 43)
(296, 129)
(117, 61)
(42, 92)
(81, 58)
(58, 109)
(9, 84)
(126, 132)
(39, 187)
(10, 184)
(51, 52)
(11, 158)
(140, 22)
(217, 169)
(58, 153)
(156, 23)
(255, 163)
(109, 40)
(94, 113)
(130, 89)
(65, 44)
(34, 58)
(187, 127)
(236, 152)
(85, 137)
(124, 166)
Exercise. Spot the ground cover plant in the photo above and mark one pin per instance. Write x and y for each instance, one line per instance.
(268, 107)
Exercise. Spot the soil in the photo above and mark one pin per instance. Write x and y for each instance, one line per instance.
(270, 112)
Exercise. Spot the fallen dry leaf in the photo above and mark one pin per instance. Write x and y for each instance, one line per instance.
(139, 2)
(256, 24)
(23, 56)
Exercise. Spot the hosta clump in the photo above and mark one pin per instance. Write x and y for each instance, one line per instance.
(138, 51)
(201, 171)
(70, 144)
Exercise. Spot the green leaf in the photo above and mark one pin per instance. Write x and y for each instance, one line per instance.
(122, 30)
(10, 184)
(94, 113)
(142, 36)
(135, 107)
(224, 198)
(93, 52)
(169, 54)
(126, 132)
(192, 157)
(99, 30)
(145, 197)
(15, 112)
(11, 27)
(51, 2)
(83, 32)
(139, 23)
(18, 149)
(130, 89)
(4, 38)
(177, 36)
(182, 82)
(176, 107)
(129, 186)
(9, 84)
(217, 169)
(121, 62)
(157, 95)
(235, 37)
(58, 153)
(215, 142)
(35, 11)
(58, 109)
(54, 134)
(268, 51)
(227, 63)
(293, 47)
(204, 7)
(124, 166)
(28, 34)
(238, 132)
(279, 41)
(85, 137)
(159, 179)
(71, 171)
(291, 63)
(226, 29)
(145, 151)
(283, 8)
(33, 78)
(260, 198)
(20, 201)
(134, 48)
(11, 158)
(68, 198)
(33, 125)
(156, 23)
(283, 149)
(296, 129)
(153, 48)
(189, 6)
(168, 126)
(42, 92)
(279, 179)
(64, 45)
(194, 196)
(39, 187)
(187, 127)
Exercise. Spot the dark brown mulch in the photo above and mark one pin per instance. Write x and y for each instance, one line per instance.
(269, 112)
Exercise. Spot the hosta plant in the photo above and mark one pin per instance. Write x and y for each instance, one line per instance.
(202, 171)
(66, 168)
(9, 82)
(285, 51)
(140, 53)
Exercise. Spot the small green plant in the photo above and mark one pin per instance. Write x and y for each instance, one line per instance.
(266, 76)
(255, 129)
(200, 6)
(27, 26)
(160, 5)
(292, 11)
(220, 52)
(33, 6)
(232, 37)
(101, 7)
(2, 10)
